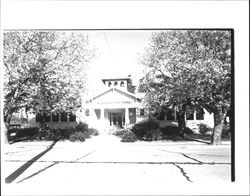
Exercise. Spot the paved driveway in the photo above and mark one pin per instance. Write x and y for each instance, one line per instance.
(104, 165)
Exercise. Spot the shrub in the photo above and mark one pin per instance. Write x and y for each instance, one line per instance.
(204, 129)
(226, 131)
(141, 128)
(170, 130)
(60, 133)
(44, 132)
(81, 127)
(73, 137)
(119, 132)
(129, 136)
(92, 131)
(77, 136)
(188, 131)
(65, 133)
(153, 134)
(49, 134)
(86, 135)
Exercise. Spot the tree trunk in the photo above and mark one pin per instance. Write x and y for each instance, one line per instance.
(6, 140)
(231, 121)
(181, 122)
(43, 130)
(6, 127)
(218, 125)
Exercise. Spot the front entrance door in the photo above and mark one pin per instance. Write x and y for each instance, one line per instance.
(116, 119)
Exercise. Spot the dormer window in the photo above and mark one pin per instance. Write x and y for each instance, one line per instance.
(122, 84)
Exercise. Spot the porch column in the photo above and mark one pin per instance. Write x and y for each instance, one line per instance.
(126, 116)
(101, 121)
(122, 120)
(102, 114)
(92, 112)
(111, 118)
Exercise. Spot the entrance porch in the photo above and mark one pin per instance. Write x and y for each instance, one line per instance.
(109, 118)
(116, 117)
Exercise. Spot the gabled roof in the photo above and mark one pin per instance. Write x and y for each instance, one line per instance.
(126, 93)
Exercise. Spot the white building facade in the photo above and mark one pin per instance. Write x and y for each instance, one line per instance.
(115, 106)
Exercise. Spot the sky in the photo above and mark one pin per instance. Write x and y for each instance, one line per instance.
(118, 54)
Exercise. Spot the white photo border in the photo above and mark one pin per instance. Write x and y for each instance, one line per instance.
(17, 15)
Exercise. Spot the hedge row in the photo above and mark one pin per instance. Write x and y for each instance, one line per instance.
(151, 130)
(73, 134)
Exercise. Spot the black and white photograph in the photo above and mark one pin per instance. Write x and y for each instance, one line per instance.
(93, 109)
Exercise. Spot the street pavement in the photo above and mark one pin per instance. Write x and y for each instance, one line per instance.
(102, 165)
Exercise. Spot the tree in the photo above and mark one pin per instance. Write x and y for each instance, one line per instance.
(44, 71)
(190, 68)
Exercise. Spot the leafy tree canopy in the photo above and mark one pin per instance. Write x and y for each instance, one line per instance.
(44, 70)
(189, 67)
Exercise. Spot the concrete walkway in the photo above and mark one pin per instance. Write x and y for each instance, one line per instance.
(104, 165)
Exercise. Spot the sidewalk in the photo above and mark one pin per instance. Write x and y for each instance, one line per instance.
(223, 141)
(104, 165)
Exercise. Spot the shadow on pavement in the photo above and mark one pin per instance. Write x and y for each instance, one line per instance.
(47, 167)
(177, 138)
(196, 139)
(38, 172)
(21, 169)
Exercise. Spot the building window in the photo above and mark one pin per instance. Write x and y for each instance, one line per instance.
(130, 112)
(87, 112)
(72, 117)
(55, 117)
(199, 115)
(190, 114)
(48, 118)
(109, 84)
(170, 114)
(122, 84)
(142, 112)
(115, 84)
(160, 115)
(39, 117)
(64, 117)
